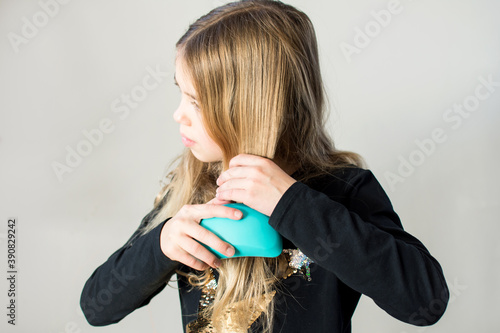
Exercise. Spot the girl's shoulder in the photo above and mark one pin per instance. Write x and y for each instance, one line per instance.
(350, 181)
(347, 176)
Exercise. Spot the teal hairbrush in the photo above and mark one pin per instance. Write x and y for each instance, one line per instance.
(251, 236)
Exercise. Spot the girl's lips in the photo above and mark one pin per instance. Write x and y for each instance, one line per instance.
(187, 142)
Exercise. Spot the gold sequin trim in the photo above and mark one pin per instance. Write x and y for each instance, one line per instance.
(298, 262)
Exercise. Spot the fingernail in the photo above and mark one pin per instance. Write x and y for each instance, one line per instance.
(230, 251)
(238, 214)
(217, 263)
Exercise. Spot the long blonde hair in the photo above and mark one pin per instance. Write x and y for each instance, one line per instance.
(255, 68)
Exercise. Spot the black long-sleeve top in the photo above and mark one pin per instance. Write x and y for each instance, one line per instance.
(344, 222)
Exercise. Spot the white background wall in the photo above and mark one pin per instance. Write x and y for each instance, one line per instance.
(63, 79)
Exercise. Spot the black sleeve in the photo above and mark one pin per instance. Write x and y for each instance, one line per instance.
(129, 279)
(363, 243)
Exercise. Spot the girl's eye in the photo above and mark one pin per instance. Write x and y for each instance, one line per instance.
(195, 105)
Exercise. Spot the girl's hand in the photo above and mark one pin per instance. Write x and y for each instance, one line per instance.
(255, 181)
(179, 236)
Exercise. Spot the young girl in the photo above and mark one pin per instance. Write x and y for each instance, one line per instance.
(252, 117)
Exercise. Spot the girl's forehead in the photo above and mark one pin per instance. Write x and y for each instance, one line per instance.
(182, 80)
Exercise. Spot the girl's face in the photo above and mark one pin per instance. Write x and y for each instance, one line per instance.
(188, 115)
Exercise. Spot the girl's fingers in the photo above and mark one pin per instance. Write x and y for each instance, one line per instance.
(199, 212)
(236, 189)
(238, 195)
(217, 201)
(235, 172)
(236, 183)
(208, 238)
(184, 257)
(184, 234)
(248, 159)
(198, 252)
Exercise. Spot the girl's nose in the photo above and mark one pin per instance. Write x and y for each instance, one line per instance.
(181, 118)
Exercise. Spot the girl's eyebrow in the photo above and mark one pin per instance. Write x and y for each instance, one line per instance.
(190, 95)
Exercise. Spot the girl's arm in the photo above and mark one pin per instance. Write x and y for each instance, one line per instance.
(352, 230)
(138, 271)
(128, 280)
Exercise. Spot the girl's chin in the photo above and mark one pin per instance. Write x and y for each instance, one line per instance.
(200, 157)
(205, 159)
